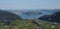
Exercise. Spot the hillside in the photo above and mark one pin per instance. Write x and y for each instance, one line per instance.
(29, 24)
(55, 17)
(7, 17)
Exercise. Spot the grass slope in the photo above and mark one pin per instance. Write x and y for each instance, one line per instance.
(27, 24)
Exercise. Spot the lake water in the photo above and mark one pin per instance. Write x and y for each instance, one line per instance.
(24, 16)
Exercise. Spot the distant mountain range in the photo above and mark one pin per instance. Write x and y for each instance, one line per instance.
(35, 13)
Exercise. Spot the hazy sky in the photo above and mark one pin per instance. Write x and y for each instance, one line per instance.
(29, 4)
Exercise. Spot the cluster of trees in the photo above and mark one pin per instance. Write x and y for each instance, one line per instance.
(52, 18)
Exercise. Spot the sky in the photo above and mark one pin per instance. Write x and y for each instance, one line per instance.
(29, 4)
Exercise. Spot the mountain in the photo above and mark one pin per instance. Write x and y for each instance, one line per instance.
(7, 17)
(55, 17)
